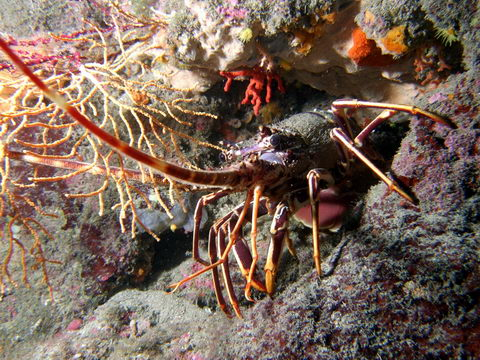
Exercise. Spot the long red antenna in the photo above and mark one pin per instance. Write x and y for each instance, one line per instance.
(222, 178)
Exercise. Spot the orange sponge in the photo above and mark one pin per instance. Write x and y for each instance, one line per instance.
(365, 52)
(394, 41)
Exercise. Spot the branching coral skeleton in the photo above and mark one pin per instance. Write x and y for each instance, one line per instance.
(111, 84)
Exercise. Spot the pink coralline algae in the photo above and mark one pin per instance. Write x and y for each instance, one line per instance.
(231, 11)
(27, 49)
(30, 50)
(253, 93)
(75, 324)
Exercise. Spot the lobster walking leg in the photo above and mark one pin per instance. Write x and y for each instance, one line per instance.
(339, 106)
(223, 228)
(314, 177)
(213, 254)
(204, 200)
(241, 251)
(279, 234)
(257, 194)
(216, 245)
(367, 130)
(226, 271)
(342, 133)
(337, 134)
(234, 235)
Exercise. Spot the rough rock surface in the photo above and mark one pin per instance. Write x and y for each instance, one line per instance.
(402, 280)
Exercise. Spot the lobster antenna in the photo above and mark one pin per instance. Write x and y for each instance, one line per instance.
(219, 178)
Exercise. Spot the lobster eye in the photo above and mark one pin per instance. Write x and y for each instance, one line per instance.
(278, 141)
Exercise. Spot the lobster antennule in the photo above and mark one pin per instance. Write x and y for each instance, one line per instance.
(221, 178)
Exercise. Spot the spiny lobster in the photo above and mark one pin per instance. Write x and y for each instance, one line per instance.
(272, 171)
